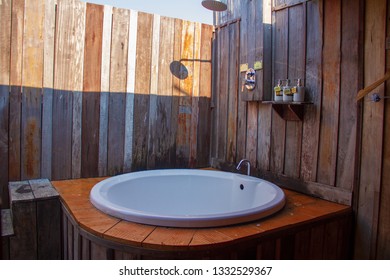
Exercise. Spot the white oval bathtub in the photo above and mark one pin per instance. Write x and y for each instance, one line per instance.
(187, 197)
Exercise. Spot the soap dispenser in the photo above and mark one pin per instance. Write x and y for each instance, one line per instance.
(299, 92)
(278, 92)
(287, 94)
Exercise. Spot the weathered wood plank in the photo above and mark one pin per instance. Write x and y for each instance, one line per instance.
(77, 80)
(252, 107)
(372, 134)
(32, 86)
(383, 251)
(311, 121)
(6, 226)
(327, 157)
(129, 113)
(48, 85)
(278, 132)
(152, 137)
(31, 133)
(264, 54)
(69, 57)
(296, 70)
(24, 244)
(183, 136)
(4, 112)
(204, 121)
(175, 68)
(118, 87)
(242, 106)
(142, 90)
(233, 91)
(15, 81)
(62, 135)
(350, 84)
(163, 138)
(223, 80)
(104, 91)
(91, 90)
(195, 97)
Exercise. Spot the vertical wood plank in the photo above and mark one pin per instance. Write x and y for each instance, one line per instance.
(69, 57)
(186, 93)
(372, 135)
(311, 122)
(77, 79)
(48, 85)
(176, 69)
(264, 53)
(327, 157)
(104, 91)
(142, 90)
(91, 90)
(223, 80)
(350, 85)
(32, 78)
(233, 91)
(195, 97)
(118, 87)
(383, 245)
(31, 133)
(204, 120)
(163, 141)
(280, 72)
(251, 141)
(242, 105)
(5, 50)
(152, 145)
(129, 113)
(296, 70)
(15, 80)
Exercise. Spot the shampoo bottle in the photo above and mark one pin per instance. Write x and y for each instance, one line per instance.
(287, 94)
(299, 94)
(278, 91)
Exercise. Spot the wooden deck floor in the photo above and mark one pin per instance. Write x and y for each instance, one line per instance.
(299, 210)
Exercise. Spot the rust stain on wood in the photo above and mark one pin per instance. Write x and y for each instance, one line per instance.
(31, 148)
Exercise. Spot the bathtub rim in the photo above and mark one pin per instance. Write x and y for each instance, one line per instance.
(193, 221)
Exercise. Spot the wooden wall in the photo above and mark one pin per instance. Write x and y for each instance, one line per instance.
(89, 90)
(316, 155)
(372, 201)
(340, 149)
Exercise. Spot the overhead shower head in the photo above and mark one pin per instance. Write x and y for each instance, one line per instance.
(215, 5)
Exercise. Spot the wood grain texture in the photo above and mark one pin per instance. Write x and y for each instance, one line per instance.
(118, 87)
(372, 135)
(297, 216)
(142, 90)
(104, 91)
(278, 136)
(296, 70)
(5, 50)
(351, 82)
(327, 157)
(311, 123)
(91, 90)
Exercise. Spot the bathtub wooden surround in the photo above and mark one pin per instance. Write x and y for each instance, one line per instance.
(307, 228)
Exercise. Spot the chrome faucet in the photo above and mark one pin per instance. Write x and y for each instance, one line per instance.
(248, 165)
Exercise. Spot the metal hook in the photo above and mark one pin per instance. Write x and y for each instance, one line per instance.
(376, 98)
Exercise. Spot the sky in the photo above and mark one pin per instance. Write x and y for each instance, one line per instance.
(184, 9)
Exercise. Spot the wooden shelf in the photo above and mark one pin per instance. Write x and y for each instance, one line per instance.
(289, 111)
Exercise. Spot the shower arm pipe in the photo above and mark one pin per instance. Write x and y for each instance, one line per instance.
(367, 90)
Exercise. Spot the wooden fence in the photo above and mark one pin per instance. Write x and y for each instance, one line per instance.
(318, 154)
(90, 90)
